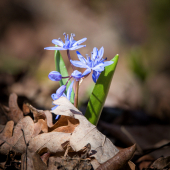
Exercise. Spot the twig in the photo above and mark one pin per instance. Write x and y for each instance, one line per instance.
(26, 148)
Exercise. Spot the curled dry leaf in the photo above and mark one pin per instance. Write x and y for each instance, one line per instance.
(161, 163)
(13, 139)
(15, 113)
(119, 160)
(101, 147)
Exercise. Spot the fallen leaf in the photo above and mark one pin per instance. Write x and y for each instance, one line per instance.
(25, 108)
(52, 141)
(7, 131)
(101, 147)
(45, 157)
(26, 164)
(16, 141)
(31, 137)
(65, 124)
(145, 161)
(161, 163)
(119, 160)
(38, 163)
(15, 112)
(40, 126)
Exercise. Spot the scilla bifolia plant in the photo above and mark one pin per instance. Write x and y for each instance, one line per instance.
(102, 75)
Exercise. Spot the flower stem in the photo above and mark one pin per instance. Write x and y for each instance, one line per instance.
(68, 54)
(76, 94)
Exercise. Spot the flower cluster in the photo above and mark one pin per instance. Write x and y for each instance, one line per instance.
(95, 63)
(70, 44)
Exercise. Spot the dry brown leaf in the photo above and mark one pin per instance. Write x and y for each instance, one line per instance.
(49, 118)
(65, 124)
(161, 163)
(29, 165)
(52, 141)
(16, 141)
(45, 157)
(145, 161)
(66, 129)
(25, 108)
(7, 131)
(119, 160)
(40, 126)
(15, 112)
(38, 163)
(132, 165)
(39, 114)
(72, 128)
(101, 147)
(52, 162)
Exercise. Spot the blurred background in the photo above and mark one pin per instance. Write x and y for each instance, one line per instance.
(137, 30)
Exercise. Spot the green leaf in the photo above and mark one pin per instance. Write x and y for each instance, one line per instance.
(61, 67)
(100, 91)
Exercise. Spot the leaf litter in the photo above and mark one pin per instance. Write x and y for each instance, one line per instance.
(70, 143)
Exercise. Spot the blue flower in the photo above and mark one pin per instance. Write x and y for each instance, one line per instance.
(70, 44)
(95, 63)
(60, 92)
(76, 75)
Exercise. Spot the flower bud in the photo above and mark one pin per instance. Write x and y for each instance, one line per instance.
(55, 76)
(76, 75)
(60, 91)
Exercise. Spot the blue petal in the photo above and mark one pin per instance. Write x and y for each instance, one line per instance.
(97, 75)
(78, 64)
(77, 47)
(55, 76)
(99, 67)
(94, 76)
(94, 54)
(60, 91)
(86, 72)
(54, 48)
(54, 96)
(79, 41)
(107, 63)
(57, 42)
(70, 90)
(100, 53)
(81, 58)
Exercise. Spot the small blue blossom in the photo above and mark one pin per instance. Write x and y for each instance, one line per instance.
(55, 76)
(59, 93)
(70, 44)
(76, 75)
(95, 63)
